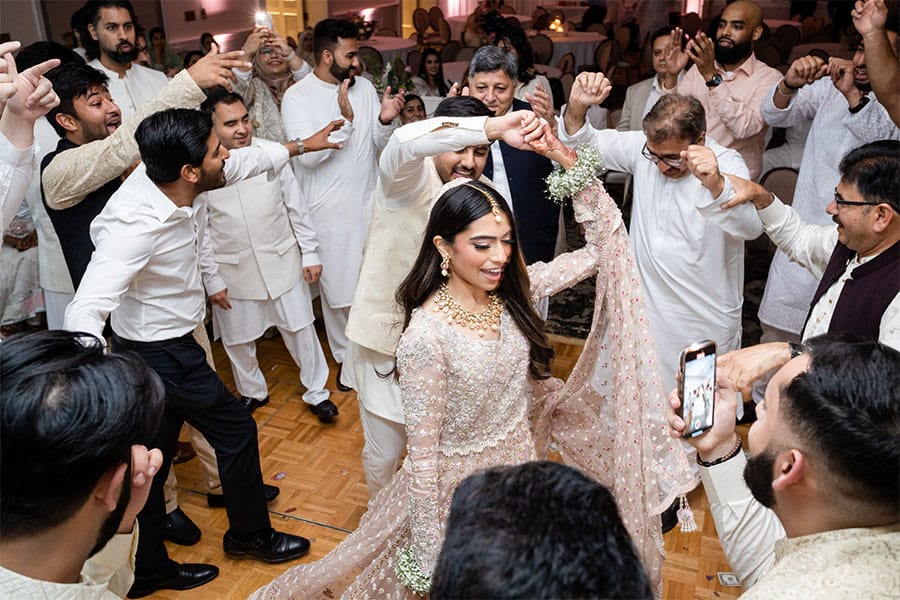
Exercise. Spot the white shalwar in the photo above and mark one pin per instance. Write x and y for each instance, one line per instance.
(338, 185)
(689, 252)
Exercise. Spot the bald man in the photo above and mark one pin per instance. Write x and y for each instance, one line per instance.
(728, 80)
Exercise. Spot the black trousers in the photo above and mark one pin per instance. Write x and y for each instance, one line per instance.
(194, 393)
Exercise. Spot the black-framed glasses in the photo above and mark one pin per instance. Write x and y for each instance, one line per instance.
(839, 200)
(675, 163)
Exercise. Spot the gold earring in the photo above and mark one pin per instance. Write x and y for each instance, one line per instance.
(445, 266)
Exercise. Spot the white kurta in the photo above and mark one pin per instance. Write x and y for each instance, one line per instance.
(338, 184)
(249, 317)
(833, 133)
(689, 252)
(132, 91)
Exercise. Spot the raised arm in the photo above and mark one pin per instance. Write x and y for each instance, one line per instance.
(576, 177)
(870, 18)
(79, 171)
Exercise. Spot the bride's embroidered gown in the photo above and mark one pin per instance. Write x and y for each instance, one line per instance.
(470, 404)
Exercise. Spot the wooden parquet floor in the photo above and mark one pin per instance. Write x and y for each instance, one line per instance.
(323, 490)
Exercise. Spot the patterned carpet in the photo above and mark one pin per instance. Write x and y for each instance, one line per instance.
(571, 311)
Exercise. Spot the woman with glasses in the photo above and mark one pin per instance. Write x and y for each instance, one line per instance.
(276, 67)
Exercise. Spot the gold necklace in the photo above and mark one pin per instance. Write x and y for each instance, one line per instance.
(480, 322)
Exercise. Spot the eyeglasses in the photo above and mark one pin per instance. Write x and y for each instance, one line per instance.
(838, 199)
(676, 163)
(266, 51)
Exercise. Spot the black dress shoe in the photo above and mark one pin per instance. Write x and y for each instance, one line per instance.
(270, 492)
(252, 403)
(340, 386)
(180, 529)
(268, 546)
(173, 577)
(325, 410)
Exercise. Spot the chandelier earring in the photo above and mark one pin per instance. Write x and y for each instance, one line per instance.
(445, 265)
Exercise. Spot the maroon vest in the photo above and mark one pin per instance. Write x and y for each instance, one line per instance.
(866, 295)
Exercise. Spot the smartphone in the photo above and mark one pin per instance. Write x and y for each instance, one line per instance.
(263, 19)
(697, 387)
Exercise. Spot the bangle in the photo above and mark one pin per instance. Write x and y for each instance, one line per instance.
(291, 56)
(562, 184)
(785, 90)
(796, 349)
(789, 86)
(734, 452)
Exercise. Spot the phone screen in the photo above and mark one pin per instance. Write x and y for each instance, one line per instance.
(263, 19)
(698, 387)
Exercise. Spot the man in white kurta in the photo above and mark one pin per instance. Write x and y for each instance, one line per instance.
(419, 159)
(130, 84)
(689, 252)
(339, 184)
(835, 130)
(255, 274)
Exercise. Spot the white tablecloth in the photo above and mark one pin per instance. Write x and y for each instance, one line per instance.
(458, 24)
(580, 43)
(776, 23)
(454, 71)
(573, 12)
(390, 46)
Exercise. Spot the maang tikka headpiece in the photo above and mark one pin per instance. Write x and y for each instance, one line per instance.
(495, 206)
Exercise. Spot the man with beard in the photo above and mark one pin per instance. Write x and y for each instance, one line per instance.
(688, 251)
(728, 79)
(824, 459)
(75, 468)
(339, 185)
(113, 50)
(836, 95)
(275, 68)
(857, 262)
(145, 275)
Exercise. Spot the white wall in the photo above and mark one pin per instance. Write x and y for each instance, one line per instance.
(228, 20)
(23, 20)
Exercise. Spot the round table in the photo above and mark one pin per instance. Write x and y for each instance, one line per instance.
(458, 24)
(580, 43)
(573, 10)
(454, 71)
(390, 47)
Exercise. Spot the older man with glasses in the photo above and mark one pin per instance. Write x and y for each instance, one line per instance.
(689, 252)
(857, 262)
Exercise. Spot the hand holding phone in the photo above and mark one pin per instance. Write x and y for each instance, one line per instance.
(697, 387)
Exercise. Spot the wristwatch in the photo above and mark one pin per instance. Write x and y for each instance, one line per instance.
(299, 143)
(715, 81)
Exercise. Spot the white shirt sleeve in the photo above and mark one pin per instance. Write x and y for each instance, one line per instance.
(619, 150)
(740, 222)
(747, 529)
(808, 245)
(16, 172)
(401, 165)
(299, 217)
(262, 156)
(209, 271)
(114, 564)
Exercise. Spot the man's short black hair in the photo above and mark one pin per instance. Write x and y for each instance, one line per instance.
(220, 95)
(69, 413)
(172, 138)
(72, 81)
(846, 406)
(661, 32)
(462, 106)
(327, 33)
(874, 169)
(536, 530)
(38, 52)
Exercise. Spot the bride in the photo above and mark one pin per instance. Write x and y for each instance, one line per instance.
(474, 371)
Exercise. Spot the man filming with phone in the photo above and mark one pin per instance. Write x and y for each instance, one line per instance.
(815, 511)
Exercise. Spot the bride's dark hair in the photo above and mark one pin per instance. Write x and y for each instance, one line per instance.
(453, 212)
